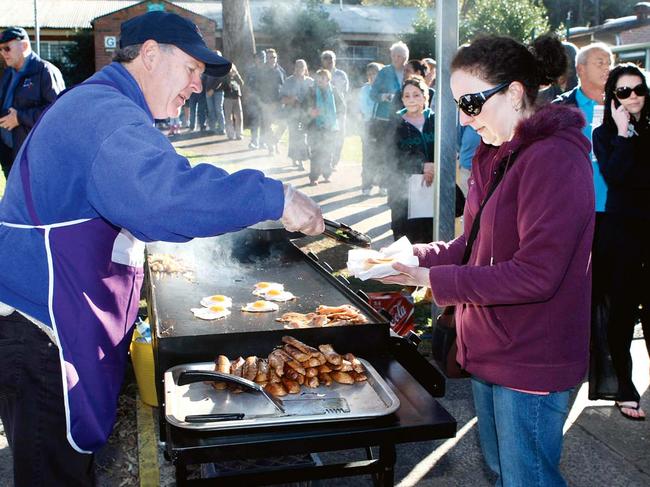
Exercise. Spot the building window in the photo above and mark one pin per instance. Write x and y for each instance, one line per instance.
(54, 51)
(358, 54)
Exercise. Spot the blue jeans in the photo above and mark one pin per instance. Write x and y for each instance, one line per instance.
(521, 434)
(216, 118)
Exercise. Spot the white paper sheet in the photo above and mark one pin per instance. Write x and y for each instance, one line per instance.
(420, 198)
(400, 251)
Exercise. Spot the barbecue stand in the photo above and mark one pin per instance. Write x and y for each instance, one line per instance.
(231, 265)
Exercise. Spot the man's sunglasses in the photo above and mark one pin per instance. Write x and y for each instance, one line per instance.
(624, 92)
(472, 103)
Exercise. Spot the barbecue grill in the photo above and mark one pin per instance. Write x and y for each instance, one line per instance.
(231, 265)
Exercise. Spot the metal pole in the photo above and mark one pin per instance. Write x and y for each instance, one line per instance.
(445, 137)
(37, 30)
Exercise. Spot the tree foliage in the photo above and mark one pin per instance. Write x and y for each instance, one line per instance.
(520, 19)
(300, 31)
(422, 42)
(583, 12)
(80, 59)
(399, 3)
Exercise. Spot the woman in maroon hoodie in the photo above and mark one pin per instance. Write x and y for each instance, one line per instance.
(523, 299)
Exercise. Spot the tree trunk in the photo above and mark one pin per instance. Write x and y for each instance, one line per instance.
(238, 39)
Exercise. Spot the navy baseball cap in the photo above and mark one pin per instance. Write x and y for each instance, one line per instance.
(170, 28)
(12, 33)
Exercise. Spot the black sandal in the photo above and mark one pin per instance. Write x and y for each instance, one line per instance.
(627, 416)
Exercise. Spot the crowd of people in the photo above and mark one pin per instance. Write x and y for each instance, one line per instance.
(318, 112)
(545, 218)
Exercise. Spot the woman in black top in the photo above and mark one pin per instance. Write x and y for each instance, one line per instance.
(413, 145)
(622, 147)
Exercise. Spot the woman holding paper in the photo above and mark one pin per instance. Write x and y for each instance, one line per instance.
(523, 298)
(414, 133)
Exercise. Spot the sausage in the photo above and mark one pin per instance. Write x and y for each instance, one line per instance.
(356, 363)
(237, 366)
(273, 376)
(296, 366)
(312, 382)
(346, 366)
(236, 369)
(303, 347)
(282, 354)
(325, 378)
(291, 386)
(249, 370)
(324, 369)
(291, 374)
(275, 389)
(342, 377)
(262, 371)
(311, 372)
(297, 354)
(358, 377)
(276, 361)
(221, 364)
(312, 362)
(331, 356)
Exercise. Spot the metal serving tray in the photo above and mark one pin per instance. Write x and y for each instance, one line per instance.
(361, 400)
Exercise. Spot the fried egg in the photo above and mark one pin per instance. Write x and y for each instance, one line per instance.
(216, 299)
(278, 295)
(214, 312)
(260, 307)
(262, 288)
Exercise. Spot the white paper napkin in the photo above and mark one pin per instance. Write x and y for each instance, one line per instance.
(372, 264)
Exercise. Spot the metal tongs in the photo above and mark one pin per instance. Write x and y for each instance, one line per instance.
(192, 376)
(312, 405)
(344, 233)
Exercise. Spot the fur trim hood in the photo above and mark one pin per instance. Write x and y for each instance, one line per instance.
(547, 121)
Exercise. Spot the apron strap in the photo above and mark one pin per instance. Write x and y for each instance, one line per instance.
(24, 162)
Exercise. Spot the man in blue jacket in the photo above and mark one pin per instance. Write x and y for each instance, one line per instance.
(93, 181)
(28, 85)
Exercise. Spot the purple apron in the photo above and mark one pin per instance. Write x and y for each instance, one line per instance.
(94, 281)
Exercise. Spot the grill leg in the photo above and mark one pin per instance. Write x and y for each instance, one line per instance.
(181, 475)
(387, 457)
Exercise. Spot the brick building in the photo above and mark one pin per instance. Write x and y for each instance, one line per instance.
(107, 27)
(366, 31)
(629, 36)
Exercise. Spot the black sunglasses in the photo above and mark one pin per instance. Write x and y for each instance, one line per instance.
(472, 103)
(624, 92)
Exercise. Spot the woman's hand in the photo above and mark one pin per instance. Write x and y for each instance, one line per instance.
(427, 176)
(409, 276)
(621, 118)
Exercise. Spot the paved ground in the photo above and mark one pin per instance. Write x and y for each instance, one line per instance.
(601, 447)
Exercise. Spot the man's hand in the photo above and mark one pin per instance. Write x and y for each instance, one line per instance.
(301, 213)
(10, 121)
(409, 276)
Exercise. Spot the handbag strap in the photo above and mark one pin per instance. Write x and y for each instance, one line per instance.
(498, 176)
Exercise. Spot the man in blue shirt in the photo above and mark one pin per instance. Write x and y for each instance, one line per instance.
(593, 63)
(95, 180)
(28, 86)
